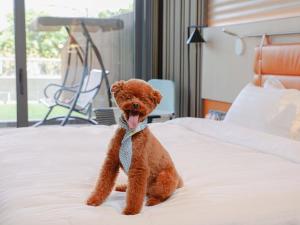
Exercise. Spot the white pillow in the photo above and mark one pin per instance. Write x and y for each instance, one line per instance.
(293, 98)
(273, 82)
(269, 110)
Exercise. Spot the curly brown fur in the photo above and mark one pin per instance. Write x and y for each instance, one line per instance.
(121, 188)
(152, 172)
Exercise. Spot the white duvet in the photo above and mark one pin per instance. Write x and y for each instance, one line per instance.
(232, 175)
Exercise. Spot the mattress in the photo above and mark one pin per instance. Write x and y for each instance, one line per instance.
(232, 175)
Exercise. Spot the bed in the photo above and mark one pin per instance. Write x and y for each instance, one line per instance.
(233, 175)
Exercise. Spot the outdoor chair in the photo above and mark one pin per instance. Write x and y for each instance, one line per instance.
(77, 98)
(166, 108)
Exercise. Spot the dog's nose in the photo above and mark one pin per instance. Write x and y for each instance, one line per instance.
(135, 105)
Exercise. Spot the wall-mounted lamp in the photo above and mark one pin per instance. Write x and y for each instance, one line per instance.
(239, 42)
(196, 36)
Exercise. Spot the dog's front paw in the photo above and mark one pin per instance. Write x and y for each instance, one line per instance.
(94, 200)
(128, 211)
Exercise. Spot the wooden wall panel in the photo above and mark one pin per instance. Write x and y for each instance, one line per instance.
(224, 12)
(215, 105)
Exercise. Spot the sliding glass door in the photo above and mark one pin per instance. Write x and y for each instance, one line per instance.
(43, 58)
(13, 82)
(54, 33)
(8, 109)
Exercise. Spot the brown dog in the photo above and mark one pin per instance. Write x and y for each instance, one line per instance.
(151, 171)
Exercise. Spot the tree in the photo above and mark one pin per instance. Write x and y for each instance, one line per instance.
(38, 44)
(7, 38)
(42, 44)
(109, 13)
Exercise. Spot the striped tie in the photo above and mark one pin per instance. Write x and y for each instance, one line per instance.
(125, 153)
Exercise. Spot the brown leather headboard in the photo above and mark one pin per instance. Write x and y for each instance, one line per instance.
(280, 60)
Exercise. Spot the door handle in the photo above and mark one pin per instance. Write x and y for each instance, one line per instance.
(21, 84)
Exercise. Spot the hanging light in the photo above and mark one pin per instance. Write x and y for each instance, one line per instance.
(73, 43)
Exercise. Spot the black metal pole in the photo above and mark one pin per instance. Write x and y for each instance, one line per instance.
(99, 57)
(189, 78)
(77, 94)
(77, 51)
(21, 66)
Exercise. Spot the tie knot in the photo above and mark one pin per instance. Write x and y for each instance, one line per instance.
(141, 126)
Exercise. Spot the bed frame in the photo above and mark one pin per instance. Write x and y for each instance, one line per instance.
(280, 60)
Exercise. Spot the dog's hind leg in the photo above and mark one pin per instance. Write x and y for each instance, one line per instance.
(163, 187)
(121, 188)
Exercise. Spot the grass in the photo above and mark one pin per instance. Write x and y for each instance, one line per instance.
(8, 112)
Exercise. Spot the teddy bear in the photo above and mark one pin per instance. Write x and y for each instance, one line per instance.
(137, 152)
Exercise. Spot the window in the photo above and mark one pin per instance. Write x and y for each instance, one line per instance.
(48, 46)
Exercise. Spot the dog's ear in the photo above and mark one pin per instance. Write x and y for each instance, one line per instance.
(117, 86)
(156, 96)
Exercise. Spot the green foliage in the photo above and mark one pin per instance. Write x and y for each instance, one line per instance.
(38, 44)
(42, 44)
(109, 13)
(7, 38)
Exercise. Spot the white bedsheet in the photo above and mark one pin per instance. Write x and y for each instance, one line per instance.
(232, 175)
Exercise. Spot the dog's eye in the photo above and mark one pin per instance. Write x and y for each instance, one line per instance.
(144, 99)
(127, 97)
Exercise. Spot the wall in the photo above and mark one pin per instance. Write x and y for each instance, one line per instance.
(223, 72)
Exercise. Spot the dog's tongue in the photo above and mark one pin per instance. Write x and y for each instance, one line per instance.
(133, 121)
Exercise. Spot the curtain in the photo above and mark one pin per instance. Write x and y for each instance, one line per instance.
(177, 16)
(147, 39)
